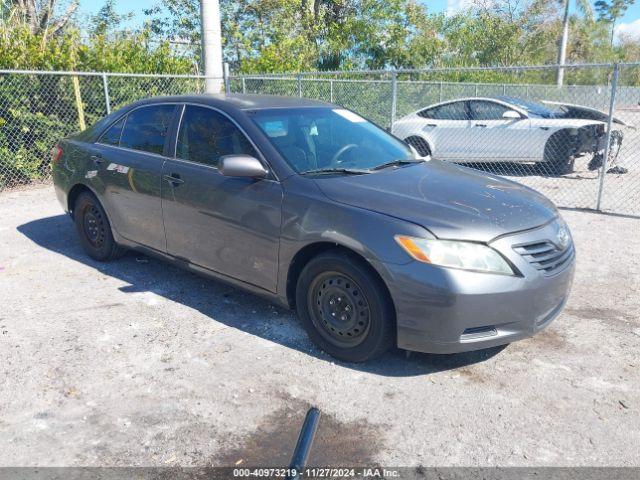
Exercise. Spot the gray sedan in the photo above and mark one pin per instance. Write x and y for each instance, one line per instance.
(316, 208)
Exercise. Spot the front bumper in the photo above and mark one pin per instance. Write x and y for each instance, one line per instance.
(444, 310)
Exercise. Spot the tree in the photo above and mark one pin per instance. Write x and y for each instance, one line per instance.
(107, 19)
(46, 17)
(611, 10)
(584, 7)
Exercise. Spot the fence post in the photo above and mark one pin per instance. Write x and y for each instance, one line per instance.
(331, 90)
(227, 82)
(105, 88)
(244, 85)
(299, 78)
(394, 97)
(75, 82)
(612, 105)
(440, 93)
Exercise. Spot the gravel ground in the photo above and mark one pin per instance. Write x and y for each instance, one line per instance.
(138, 363)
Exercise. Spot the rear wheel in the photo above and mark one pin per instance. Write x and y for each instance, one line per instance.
(94, 229)
(344, 307)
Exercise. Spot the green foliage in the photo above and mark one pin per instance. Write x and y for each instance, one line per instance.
(611, 10)
(262, 36)
(36, 110)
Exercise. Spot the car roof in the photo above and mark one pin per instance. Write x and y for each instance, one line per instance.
(498, 99)
(240, 101)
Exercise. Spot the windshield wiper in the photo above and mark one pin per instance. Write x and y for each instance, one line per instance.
(393, 163)
(322, 171)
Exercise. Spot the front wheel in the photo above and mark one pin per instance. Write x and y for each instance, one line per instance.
(94, 229)
(558, 155)
(345, 308)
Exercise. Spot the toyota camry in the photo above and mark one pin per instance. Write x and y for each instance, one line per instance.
(313, 207)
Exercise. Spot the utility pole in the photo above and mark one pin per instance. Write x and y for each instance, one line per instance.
(562, 54)
(211, 45)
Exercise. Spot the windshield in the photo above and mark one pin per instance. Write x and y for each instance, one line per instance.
(312, 139)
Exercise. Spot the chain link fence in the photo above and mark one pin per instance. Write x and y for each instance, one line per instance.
(514, 122)
(39, 108)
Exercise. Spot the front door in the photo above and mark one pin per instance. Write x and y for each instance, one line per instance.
(226, 224)
(128, 159)
(497, 138)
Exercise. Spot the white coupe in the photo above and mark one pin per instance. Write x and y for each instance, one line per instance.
(506, 129)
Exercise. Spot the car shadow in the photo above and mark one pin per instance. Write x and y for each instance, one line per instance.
(229, 305)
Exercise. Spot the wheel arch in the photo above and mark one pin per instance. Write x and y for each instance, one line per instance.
(75, 192)
(312, 250)
(423, 145)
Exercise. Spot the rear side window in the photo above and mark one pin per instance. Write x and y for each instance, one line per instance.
(206, 135)
(112, 135)
(146, 128)
(449, 111)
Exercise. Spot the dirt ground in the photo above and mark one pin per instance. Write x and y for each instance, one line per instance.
(137, 363)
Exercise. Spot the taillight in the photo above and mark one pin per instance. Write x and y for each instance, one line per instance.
(56, 153)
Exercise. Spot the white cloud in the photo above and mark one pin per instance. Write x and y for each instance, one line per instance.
(455, 6)
(628, 30)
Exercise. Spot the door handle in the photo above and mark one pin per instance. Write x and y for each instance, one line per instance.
(432, 125)
(174, 179)
(97, 159)
(480, 125)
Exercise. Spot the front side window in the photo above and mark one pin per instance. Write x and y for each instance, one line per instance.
(483, 110)
(112, 135)
(146, 128)
(206, 135)
(324, 138)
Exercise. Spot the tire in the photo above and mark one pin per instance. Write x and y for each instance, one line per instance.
(345, 308)
(558, 156)
(94, 229)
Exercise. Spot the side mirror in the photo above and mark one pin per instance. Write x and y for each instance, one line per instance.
(511, 115)
(241, 166)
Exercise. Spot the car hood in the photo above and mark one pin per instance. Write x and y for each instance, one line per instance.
(450, 201)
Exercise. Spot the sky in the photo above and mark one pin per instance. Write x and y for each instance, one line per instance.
(628, 25)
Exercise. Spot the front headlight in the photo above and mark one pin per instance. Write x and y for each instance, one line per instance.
(449, 253)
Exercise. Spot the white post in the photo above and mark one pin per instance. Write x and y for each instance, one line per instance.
(211, 45)
(562, 55)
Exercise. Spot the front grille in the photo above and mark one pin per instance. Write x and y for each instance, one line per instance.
(546, 256)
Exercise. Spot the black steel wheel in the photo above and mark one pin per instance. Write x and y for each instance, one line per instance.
(94, 229)
(344, 307)
(94, 225)
(338, 309)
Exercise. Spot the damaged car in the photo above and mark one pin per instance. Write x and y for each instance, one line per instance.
(507, 129)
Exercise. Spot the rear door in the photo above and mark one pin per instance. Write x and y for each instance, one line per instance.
(447, 129)
(129, 158)
(228, 225)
